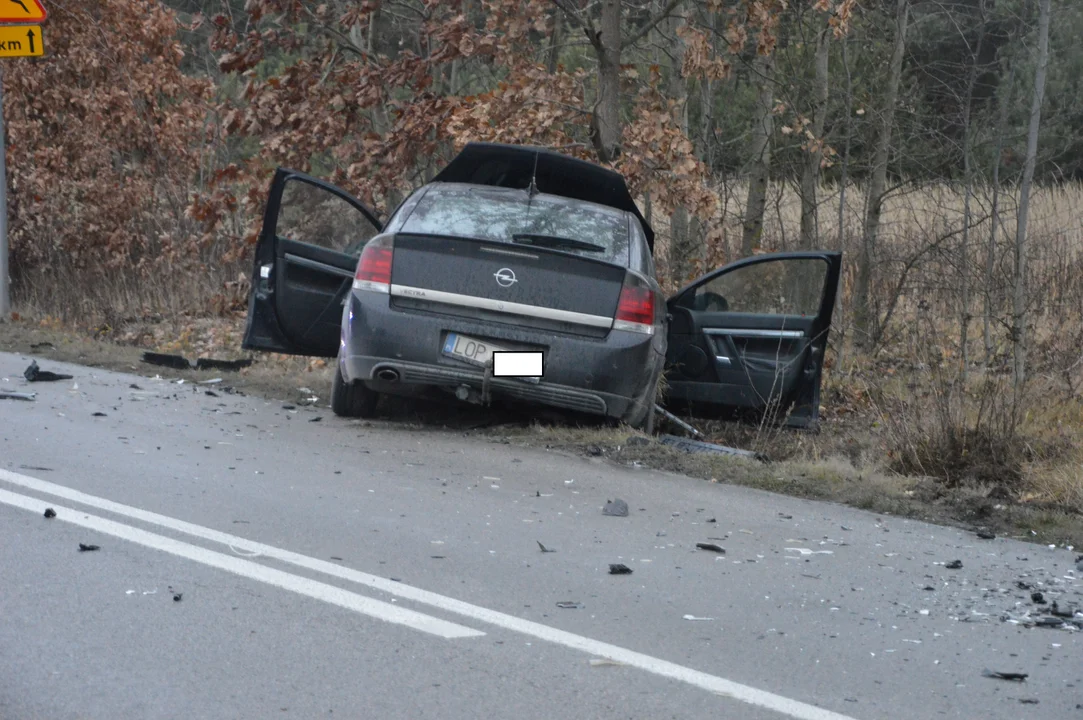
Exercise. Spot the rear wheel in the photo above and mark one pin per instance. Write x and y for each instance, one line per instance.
(352, 400)
(643, 417)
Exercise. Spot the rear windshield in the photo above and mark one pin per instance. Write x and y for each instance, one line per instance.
(500, 214)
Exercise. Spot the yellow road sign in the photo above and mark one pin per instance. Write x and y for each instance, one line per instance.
(21, 41)
(21, 11)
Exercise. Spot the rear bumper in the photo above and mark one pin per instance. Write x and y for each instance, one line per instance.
(599, 376)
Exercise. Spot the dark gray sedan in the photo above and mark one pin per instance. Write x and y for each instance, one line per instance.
(523, 273)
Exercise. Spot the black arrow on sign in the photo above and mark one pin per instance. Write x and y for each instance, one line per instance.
(20, 4)
(30, 34)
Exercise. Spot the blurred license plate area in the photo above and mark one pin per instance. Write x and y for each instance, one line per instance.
(472, 350)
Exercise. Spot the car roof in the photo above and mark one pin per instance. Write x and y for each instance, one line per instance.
(512, 166)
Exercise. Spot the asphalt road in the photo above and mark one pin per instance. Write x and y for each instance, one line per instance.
(343, 569)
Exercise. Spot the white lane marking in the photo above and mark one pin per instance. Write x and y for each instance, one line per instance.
(245, 568)
(745, 693)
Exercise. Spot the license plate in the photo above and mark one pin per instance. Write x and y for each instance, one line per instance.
(470, 349)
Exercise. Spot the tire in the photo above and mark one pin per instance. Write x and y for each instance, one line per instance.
(353, 400)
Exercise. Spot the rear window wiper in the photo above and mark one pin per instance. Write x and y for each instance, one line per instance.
(555, 242)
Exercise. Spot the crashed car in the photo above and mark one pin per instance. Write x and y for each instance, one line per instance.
(514, 250)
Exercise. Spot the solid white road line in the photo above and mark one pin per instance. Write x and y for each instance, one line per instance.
(752, 696)
(246, 568)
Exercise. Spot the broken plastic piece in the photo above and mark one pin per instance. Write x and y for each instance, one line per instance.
(88, 548)
(11, 395)
(619, 569)
(712, 547)
(616, 508)
(1037, 598)
(177, 597)
(600, 662)
(543, 548)
(986, 534)
(1018, 677)
(568, 605)
(36, 374)
(98, 414)
(177, 362)
(954, 564)
(696, 446)
(699, 619)
(50, 513)
(231, 365)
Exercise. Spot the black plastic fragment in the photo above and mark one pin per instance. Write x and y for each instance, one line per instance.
(1014, 676)
(177, 597)
(1061, 612)
(317, 418)
(954, 564)
(712, 547)
(213, 364)
(177, 362)
(50, 513)
(35, 374)
(543, 548)
(98, 414)
(986, 534)
(210, 393)
(619, 569)
(569, 605)
(616, 508)
(88, 548)
(1037, 598)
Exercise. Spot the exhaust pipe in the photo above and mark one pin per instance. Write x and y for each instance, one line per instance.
(388, 375)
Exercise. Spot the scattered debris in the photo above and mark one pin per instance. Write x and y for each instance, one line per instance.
(619, 569)
(98, 414)
(177, 597)
(698, 446)
(211, 393)
(212, 381)
(784, 516)
(36, 374)
(569, 605)
(806, 551)
(986, 534)
(1037, 598)
(50, 513)
(595, 450)
(1062, 612)
(316, 419)
(677, 421)
(1022, 585)
(1018, 677)
(712, 547)
(88, 548)
(954, 564)
(697, 619)
(12, 395)
(615, 508)
(179, 362)
(600, 662)
(543, 548)
(1028, 701)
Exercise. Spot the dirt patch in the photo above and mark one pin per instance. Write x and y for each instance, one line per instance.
(837, 465)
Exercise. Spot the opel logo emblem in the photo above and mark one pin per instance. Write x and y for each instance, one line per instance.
(505, 277)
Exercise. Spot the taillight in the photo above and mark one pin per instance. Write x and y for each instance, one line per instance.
(635, 309)
(374, 267)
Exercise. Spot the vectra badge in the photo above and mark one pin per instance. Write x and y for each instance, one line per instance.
(505, 277)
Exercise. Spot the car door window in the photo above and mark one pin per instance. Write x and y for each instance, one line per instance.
(780, 287)
(312, 215)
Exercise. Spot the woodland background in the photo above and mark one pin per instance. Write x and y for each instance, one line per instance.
(938, 144)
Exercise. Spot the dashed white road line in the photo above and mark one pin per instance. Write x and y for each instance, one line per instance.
(745, 693)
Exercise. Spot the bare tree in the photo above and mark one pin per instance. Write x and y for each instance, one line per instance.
(1004, 93)
(1019, 289)
(762, 130)
(866, 322)
(810, 173)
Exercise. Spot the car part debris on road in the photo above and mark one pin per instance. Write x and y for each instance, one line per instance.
(615, 508)
(88, 548)
(677, 421)
(569, 605)
(177, 597)
(712, 547)
(619, 569)
(50, 513)
(696, 619)
(1017, 677)
(543, 548)
(36, 374)
(12, 395)
(179, 362)
(696, 446)
(954, 564)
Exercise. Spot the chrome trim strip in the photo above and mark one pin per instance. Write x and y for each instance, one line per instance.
(723, 360)
(512, 253)
(512, 308)
(371, 286)
(317, 265)
(742, 332)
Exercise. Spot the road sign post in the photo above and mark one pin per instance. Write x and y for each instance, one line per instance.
(18, 38)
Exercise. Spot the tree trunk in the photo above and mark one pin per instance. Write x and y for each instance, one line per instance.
(866, 321)
(991, 298)
(760, 153)
(685, 248)
(968, 186)
(810, 174)
(606, 128)
(1019, 290)
(556, 38)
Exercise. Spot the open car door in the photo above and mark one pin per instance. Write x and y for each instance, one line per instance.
(307, 253)
(751, 337)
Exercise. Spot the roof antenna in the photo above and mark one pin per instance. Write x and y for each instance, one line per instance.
(533, 190)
